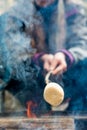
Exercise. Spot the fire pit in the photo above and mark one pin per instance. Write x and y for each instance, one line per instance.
(53, 121)
(42, 123)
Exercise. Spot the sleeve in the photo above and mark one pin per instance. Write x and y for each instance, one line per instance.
(76, 29)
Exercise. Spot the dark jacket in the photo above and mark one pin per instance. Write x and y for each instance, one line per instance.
(65, 27)
(66, 31)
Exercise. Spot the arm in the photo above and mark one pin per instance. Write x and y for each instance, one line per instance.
(76, 29)
(76, 38)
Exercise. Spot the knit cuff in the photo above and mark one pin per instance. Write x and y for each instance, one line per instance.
(36, 58)
(69, 57)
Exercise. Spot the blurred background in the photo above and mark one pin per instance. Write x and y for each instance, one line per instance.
(5, 4)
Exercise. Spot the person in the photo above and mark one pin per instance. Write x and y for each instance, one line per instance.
(74, 12)
(60, 46)
(66, 52)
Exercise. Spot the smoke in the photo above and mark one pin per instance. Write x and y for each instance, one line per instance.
(15, 46)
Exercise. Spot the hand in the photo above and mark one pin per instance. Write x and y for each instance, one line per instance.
(58, 65)
(55, 63)
(47, 60)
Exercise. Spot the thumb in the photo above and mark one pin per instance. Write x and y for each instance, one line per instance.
(53, 64)
(46, 65)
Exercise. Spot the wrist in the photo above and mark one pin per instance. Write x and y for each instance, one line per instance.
(69, 57)
(37, 58)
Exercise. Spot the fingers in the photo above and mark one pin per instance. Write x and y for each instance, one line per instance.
(46, 65)
(55, 63)
(48, 58)
(60, 69)
(59, 64)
